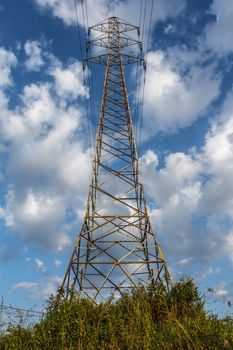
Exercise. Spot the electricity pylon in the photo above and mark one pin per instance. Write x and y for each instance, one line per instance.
(116, 249)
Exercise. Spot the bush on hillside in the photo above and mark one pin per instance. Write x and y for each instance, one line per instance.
(150, 319)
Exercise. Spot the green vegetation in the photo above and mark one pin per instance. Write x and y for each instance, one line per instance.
(144, 319)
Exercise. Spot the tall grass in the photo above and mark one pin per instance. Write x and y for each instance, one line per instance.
(143, 319)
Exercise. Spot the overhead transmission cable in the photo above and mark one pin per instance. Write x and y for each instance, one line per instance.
(84, 77)
(143, 90)
(4, 307)
(92, 84)
(136, 94)
(88, 75)
(142, 18)
(138, 84)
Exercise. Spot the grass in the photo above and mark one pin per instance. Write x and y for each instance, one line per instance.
(143, 319)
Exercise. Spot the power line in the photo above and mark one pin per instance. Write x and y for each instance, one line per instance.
(18, 309)
(89, 77)
(136, 95)
(78, 28)
(144, 20)
(143, 92)
(150, 25)
(142, 16)
(84, 78)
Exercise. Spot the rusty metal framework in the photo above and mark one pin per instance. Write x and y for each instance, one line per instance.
(117, 248)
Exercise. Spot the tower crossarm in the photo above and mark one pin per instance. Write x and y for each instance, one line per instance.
(116, 23)
(102, 41)
(111, 43)
(103, 59)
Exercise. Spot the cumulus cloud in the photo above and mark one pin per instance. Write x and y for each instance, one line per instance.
(69, 81)
(40, 265)
(219, 32)
(33, 50)
(206, 272)
(101, 9)
(192, 195)
(37, 219)
(50, 286)
(182, 167)
(41, 290)
(45, 155)
(57, 262)
(30, 286)
(174, 100)
(170, 28)
(7, 61)
(60, 9)
(218, 157)
(221, 290)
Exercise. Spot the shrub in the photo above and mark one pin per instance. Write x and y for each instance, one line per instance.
(150, 319)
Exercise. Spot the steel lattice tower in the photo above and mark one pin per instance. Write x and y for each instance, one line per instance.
(116, 249)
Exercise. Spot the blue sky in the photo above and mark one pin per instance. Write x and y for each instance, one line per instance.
(186, 147)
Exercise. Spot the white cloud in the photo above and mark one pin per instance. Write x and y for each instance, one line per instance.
(50, 286)
(173, 100)
(38, 219)
(149, 158)
(222, 293)
(218, 158)
(169, 8)
(101, 9)
(57, 262)
(41, 290)
(185, 262)
(69, 81)
(33, 50)
(46, 157)
(170, 28)
(221, 289)
(30, 286)
(40, 265)
(180, 169)
(228, 240)
(208, 272)
(174, 219)
(219, 32)
(192, 196)
(61, 9)
(7, 61)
